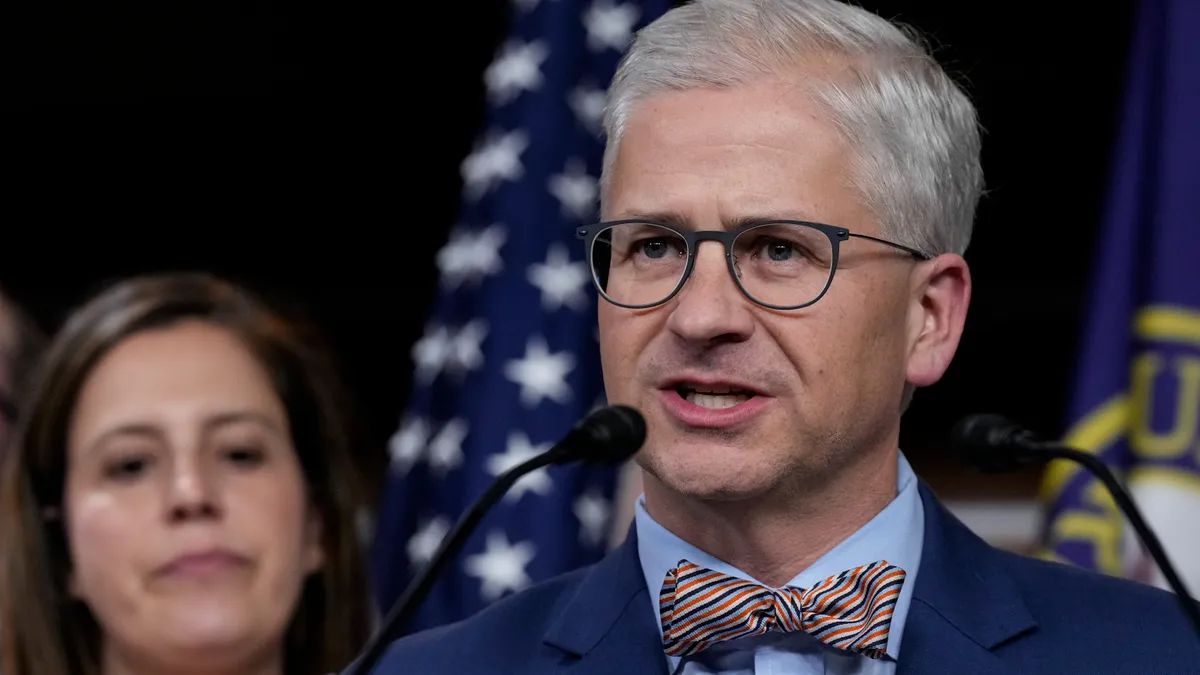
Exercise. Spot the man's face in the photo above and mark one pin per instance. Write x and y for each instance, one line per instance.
(827, 381)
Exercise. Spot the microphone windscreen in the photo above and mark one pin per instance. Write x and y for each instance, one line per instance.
(610, 435)
(990, 442)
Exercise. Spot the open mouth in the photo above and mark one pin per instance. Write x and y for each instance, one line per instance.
(714, 397)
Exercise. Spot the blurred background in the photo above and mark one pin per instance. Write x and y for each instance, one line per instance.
(313, 152)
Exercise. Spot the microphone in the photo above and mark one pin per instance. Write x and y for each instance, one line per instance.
(994, 444)
(607, 436)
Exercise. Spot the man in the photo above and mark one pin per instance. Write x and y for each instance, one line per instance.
(789, 187)
(20, 344)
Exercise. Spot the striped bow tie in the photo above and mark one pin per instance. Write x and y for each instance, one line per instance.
(850, 611)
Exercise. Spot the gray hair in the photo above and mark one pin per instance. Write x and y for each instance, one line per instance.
(915, 133)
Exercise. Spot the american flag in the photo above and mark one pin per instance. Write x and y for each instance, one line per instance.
(509, 361)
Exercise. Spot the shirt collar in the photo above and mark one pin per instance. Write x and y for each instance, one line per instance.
(895, 534)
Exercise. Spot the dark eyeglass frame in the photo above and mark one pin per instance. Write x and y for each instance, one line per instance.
(693, 238)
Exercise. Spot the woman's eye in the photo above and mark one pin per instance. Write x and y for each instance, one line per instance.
(245, 455)
(126, 468)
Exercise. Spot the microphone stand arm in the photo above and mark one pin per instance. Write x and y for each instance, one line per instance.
(1098, 468)
(406, 606)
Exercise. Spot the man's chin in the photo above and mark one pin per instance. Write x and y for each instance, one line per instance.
(716, 479)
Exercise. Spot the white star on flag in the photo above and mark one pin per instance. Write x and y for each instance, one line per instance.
(406, 445)
(501, 567)
(445, 449)
(443, 452)
(541, 374)
(454, 351)
(424, 544)
(470, 256)
(609, 25)
(496, 159)
(518, 68)
(430, 353)
(518, 450)
(575, 190)
(593, 511)
(587, 102)
(466, 347)
(561, 281)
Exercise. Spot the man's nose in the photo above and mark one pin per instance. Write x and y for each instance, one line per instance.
(710, 307)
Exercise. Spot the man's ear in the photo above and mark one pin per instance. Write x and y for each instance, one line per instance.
(941, 292)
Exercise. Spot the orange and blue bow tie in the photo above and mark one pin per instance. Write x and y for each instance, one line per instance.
(850, 611)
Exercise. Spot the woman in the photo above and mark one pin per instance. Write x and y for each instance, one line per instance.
(179, 498)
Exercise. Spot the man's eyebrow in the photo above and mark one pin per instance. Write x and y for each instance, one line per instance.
(666, 217)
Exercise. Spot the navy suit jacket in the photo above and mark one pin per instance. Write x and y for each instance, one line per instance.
(976, 610)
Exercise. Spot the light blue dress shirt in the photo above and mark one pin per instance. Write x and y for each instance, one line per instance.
(896, 535)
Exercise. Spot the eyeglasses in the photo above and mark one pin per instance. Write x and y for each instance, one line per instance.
(779, 264)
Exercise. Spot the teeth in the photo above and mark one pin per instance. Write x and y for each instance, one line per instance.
(717, 401)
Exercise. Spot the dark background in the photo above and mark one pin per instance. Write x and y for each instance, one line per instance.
(312, 152)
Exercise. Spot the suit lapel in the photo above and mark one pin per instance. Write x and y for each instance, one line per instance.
(964, 604)
(932, 644)
(607, 626)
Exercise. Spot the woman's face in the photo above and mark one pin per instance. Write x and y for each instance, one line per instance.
(186, 513)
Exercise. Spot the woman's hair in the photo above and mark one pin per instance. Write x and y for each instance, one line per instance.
(21, 344)
(48, 632)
